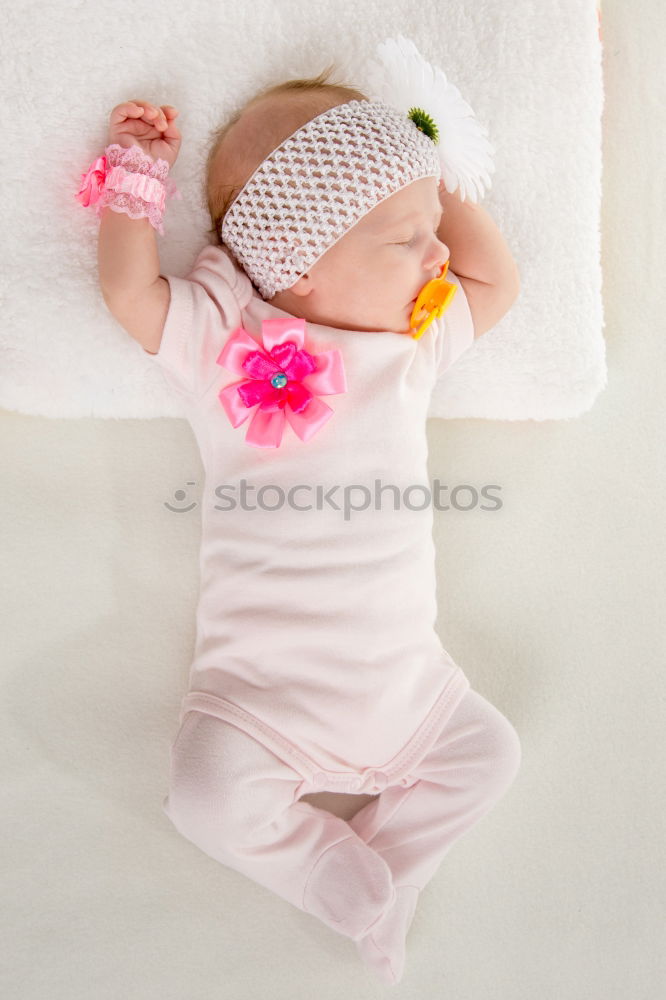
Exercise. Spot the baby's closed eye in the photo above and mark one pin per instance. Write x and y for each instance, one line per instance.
(412, 240)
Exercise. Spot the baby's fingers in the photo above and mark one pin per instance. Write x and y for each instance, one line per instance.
(130, 109)
(168, 128)
(139, 110)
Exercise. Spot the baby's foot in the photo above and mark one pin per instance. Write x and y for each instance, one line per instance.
(383, 948)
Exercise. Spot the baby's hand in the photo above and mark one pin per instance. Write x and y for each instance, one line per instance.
(138, 123)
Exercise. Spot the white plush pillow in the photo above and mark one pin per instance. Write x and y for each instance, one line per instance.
(531, 72)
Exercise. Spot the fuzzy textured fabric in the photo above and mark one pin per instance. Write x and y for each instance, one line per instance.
(531, 72)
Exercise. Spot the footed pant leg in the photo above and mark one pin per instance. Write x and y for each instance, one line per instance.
(235, 800)
(470, 767)
(412, 828)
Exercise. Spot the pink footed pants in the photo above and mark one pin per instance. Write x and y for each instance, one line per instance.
(238, 802)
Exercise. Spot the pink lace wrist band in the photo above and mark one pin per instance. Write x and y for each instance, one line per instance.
(128, 181)
(147, 188)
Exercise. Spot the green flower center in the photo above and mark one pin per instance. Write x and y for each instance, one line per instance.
(424, 122)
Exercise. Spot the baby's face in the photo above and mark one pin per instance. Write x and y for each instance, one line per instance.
(370, 278)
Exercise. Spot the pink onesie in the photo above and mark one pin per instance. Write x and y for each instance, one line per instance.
(315, 627)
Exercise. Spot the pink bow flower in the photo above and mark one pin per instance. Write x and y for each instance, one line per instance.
(92, 183)
(284, 380)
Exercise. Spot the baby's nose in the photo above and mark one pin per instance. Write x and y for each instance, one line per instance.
(438, 258)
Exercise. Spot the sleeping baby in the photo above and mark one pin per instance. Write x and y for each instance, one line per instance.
(306, 354)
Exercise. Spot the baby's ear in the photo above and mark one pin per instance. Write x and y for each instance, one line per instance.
(303, 286)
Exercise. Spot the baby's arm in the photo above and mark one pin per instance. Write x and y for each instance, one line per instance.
(128, 261)
(481, 259)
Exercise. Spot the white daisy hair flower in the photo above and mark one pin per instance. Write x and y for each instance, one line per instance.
(401, 77)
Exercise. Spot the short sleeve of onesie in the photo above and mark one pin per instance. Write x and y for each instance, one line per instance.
(205, 308)
(457, 329)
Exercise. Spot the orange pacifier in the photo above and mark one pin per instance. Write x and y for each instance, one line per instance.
(432, 300)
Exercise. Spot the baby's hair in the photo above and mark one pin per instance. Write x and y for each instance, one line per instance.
(307, 99)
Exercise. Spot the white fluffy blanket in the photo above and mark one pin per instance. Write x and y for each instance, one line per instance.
(531, 72)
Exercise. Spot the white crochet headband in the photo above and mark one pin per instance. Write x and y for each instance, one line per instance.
(318, 184)
(328, 174)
